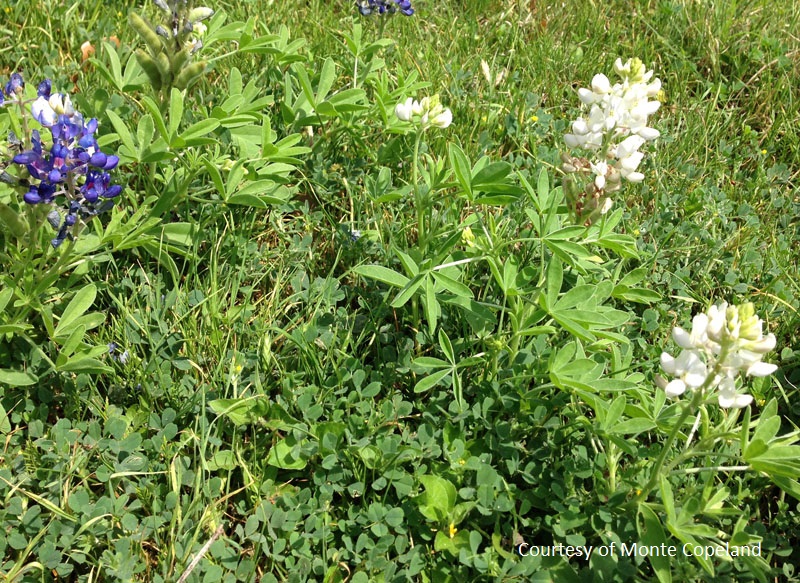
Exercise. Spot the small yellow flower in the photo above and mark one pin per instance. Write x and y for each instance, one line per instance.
(533, 118)
(468, 237)
(453, 530)
(483, 118)
(763, 151)
(661, 96)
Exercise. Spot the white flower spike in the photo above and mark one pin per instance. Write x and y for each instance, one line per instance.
(612, 128)
(724, 342)
(426, 113)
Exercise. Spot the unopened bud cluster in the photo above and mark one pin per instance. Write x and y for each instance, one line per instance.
(172, 44)
(724, 342)
(612, 129)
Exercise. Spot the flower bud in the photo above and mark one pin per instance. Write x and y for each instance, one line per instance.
(54, 218)
(200, 13)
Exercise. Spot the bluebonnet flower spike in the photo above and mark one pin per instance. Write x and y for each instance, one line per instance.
(367, 7)
(73, 167)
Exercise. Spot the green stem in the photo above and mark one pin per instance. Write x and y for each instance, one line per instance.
(697, 398)
(381, 26)
(418, 202)
(515, 337)
(612, 457)
(418, 207)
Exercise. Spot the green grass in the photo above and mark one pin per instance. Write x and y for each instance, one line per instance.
(269, 390)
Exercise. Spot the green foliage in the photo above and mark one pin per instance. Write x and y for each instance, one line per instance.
(373, 354)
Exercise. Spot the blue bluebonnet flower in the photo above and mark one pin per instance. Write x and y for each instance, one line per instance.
(367, 7)
(15, 85)
(13, 88)
(72, 168)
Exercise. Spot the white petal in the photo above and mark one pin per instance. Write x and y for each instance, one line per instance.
(681, 337)
(654, 87)
(601, 84)
(572, 141)
(579, 127)
(599, 168)
(586, 96)
(726, 401)
(764, 345)
(668, 363)
(629, 145)
(695, 379)
(761, 369)
(651, 107)
(675, 388)
(732, 399)
(716, 316)
(43, 113)
(599, 182)
(634, 177)
(443, 119)
(699, 327)
(726, 392)
(648, 133)
(631, 162)
(403, 110)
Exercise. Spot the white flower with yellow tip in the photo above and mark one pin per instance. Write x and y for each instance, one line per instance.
(426, 113)
(725, 341)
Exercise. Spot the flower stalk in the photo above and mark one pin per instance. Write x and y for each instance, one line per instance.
(724, 342)
(424, 114)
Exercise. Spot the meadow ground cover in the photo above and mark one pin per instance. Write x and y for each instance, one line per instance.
(398, 290)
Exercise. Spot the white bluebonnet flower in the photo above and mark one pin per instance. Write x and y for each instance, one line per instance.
(612, 129)
(688, 367)
(426, 113)
(724, 341)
